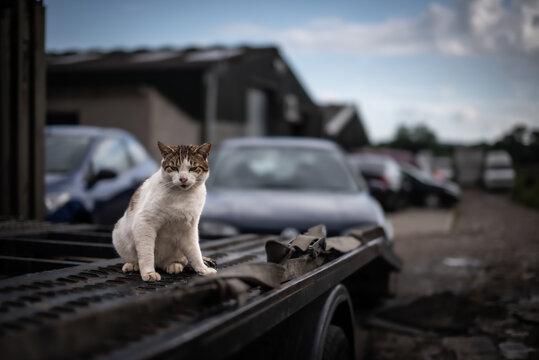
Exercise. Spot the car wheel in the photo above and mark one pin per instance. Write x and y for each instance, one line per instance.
(336, 345)
(432, 200)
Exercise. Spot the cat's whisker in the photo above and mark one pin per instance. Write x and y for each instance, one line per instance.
(169, 185)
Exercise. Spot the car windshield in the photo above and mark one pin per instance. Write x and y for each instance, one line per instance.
(65, 153)
(281, 168)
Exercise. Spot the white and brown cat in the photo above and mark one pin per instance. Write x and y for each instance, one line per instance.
(160, 226)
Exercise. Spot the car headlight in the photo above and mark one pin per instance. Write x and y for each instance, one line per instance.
(56, 200)
(390, 233)
(216, 229)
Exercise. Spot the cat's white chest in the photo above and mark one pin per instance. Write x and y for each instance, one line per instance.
(185, 207)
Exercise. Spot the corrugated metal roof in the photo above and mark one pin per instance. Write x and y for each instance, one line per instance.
(170, 58)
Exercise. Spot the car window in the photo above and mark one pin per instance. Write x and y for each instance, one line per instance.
(282, 168)
(65, 153)
(136, 151)
(110, 155)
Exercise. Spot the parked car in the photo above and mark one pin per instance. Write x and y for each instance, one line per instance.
(443, 168)
(271, 185)
(91, 173)
(422, 189)
(498, 173)
(383, 176)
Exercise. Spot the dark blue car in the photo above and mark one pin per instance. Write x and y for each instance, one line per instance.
(91, 173)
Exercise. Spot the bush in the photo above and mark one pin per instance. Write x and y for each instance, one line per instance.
(526, 187)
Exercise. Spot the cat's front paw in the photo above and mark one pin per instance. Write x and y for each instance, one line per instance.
(205, 271)
(130, 267)
(174, 268)
(151, 276)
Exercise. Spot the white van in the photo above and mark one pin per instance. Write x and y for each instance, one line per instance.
(498, 170)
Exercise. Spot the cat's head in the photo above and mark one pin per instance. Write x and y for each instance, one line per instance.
(185, 166)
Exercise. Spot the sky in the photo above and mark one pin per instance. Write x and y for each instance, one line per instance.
(468, 69)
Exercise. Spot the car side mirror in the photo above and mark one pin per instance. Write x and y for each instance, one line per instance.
(101, 175)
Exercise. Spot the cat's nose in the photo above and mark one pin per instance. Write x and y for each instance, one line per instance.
(183, 179)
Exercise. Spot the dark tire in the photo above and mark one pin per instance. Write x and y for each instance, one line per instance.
(432, 200)
(336, 345)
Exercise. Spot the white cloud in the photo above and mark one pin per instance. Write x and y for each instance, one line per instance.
(530, 26)
(508, 30)
(467, 27)
(485, 15)
(447, 92)
(466, 114)
(332, 34)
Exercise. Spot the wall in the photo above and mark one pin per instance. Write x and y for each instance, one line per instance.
(126, 108)
(468, 162)
(169, 124)
(259, 71)
(225, 130)
(142, 111)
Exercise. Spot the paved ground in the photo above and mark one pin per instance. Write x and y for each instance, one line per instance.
(420, 221)
(469, 287)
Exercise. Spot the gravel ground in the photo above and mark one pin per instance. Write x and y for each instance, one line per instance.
(467, 291)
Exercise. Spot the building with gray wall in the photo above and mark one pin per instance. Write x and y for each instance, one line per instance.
(181, 95)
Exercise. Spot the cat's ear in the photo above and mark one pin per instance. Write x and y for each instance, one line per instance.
(204, 150)
(165, 149)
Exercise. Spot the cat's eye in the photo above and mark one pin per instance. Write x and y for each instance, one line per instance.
(173, 168)
(193, 168)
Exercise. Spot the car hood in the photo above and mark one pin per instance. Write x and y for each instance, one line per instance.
(272, 211)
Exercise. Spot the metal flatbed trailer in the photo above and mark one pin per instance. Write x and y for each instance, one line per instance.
(285, 309)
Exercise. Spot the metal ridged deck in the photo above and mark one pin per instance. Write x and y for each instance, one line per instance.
(55, 299)
(94, 310)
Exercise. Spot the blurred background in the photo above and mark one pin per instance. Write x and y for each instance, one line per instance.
(442, 82)
(421, 75)
(435, 104)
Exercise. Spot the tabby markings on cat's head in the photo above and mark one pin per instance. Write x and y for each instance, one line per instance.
(185, 166)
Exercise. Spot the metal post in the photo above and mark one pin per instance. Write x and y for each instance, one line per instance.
(22, 114)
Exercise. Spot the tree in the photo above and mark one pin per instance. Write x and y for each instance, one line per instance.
(414, 138)
(522, 143)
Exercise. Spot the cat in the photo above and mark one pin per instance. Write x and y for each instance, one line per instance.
(160, 226)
